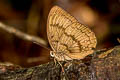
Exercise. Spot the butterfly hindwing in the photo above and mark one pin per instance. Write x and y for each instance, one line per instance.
(66, 34)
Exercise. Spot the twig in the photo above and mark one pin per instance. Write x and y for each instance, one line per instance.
(22, 35)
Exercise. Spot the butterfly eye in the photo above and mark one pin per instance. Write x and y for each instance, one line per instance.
(52, 54)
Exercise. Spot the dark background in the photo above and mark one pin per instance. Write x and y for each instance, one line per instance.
(30, 16)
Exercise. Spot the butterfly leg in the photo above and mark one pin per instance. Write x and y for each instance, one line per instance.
(55, 61)
(63, 70)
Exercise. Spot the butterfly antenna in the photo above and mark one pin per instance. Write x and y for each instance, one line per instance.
(44, 46)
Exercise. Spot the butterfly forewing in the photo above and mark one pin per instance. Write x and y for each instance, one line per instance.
(67, 35)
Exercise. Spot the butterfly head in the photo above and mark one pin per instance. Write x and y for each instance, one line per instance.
(57, 55)
(52, 54)
(60, 56)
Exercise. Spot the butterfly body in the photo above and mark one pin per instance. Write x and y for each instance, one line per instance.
(68, 38)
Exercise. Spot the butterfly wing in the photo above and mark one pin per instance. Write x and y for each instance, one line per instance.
(67, 35)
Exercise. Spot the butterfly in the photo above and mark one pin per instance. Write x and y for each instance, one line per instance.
(68, 38)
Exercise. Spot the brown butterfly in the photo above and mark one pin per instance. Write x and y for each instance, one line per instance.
(68, 38)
